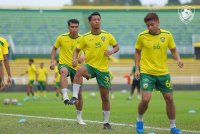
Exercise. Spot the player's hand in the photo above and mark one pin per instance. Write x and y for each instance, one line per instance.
(137, 74)
(2, 85)
(9, 81)
(180, 63)
(52, 66)
(81, 59)
(74, 62)
(108, 53)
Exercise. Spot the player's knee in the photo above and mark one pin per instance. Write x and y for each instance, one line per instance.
(80, 71)
(64, 72)
(145, 100)
(105, 99)
(169, 99)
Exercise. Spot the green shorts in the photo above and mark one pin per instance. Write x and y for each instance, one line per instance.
(41, 85)
(151, 82)
(71, 71)
(31, 82)
(103, 78)
(57, 85)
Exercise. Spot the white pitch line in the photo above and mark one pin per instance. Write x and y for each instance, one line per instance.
(90, 121)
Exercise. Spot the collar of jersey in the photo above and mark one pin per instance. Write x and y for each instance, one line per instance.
(72, 37)
(155, 34)
(95, 34)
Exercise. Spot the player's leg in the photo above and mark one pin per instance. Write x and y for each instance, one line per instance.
(38, 92)
(32, 90)
(82, 71)
(63, 81)
(28, 90)
(57, 87)
(79, 108)
(165, 87)
(27, 93)
(103, 80)
(44, 88)
(138, 89)
(147, 85)
(79, 104)
(105, 106)
(133, 85)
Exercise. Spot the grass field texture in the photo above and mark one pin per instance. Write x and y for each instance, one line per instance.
(123, 114)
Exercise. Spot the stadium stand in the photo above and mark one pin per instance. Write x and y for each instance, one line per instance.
(34, 31)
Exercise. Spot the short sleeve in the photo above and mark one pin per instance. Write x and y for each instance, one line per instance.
(5, 47)
(58, 42)
(45, 70)
(171, 44)
(81, 43)
(112, 40)
(34, 68)
(138, 44)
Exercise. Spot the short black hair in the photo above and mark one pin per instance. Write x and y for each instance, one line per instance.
(151, 16)
(31, 60)
(73, 21)
(93, 14)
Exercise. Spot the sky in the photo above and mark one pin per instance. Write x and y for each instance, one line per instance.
(69, 2)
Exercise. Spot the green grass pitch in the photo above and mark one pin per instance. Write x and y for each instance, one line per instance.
(123, 114)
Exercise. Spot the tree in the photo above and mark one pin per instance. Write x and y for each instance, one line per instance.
(195, 2)
(136, 2)
(173, 2)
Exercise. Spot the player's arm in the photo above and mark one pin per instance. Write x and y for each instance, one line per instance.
(137, 63)
(176, 56)
(53, 54)
(36, 74)
(46, 77)
(138, 48)
(174, 51)
(6, 62)
(1, 76)
(114, 50)
(7, 66)
(114, 44)
(55, 76)
(75, 56)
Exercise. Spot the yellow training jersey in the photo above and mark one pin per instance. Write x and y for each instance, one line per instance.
(31, 72)
(154, 51)
(67, 46)
(42, 73)
(57, 77)
(94, 47)
(3, 47)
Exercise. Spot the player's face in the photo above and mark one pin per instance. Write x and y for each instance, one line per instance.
(153, 26)
(95, 22)
(30, 62)
(41, 65)
(73, 28)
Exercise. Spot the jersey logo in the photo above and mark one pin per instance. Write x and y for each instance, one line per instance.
(145, 85)
(156, 46)
(91, 39)
(162, 39)
(103, 38)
